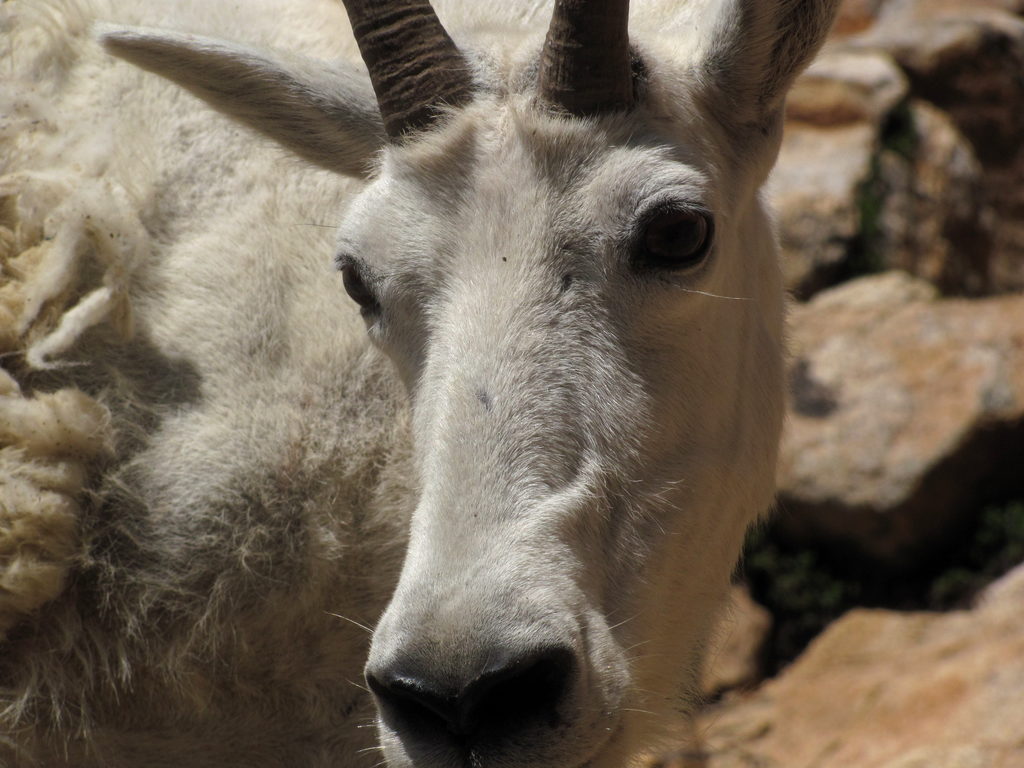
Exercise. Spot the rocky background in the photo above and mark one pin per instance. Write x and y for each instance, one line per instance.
(879, 619)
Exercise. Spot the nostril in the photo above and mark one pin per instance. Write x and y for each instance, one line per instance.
(413, 698)
(510, 692)
(524, 689)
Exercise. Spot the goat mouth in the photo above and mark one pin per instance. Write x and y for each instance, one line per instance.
(471, 758)
(467, 752)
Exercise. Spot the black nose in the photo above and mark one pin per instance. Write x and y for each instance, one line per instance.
(509, 692)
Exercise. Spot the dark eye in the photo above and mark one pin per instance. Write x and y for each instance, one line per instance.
(356, 288)
(674, 239)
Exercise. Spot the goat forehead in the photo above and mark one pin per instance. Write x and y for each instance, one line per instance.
(513, 147)
(510, 178)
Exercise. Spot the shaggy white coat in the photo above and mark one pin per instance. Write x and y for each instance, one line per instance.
(210, 462)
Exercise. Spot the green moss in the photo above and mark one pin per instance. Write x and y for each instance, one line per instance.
(996, 546)
(900, 134)
(899, 137)
(802, 592)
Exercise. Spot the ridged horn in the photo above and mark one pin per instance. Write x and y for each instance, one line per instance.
(585, 66)
(414, 65)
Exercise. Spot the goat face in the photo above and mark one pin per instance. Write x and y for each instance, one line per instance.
(582, 295)
(590, 335)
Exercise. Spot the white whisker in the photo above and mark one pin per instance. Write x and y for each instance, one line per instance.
(351, 621)
(357, 685)
(716, 295)
(624, 621)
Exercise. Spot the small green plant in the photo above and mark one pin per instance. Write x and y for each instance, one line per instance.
(996, 546)
(900, 133)
(899, 137)
(803, 593)
(806, 589)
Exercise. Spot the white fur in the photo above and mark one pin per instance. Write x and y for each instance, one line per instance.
(572, 461)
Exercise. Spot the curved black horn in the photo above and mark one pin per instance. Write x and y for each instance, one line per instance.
(414, 65)
(585, 67)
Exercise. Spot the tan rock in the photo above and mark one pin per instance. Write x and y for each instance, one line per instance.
(855, 16)
(931, 218)
(867, 181)
(814, 189)
(936, 38)
(835, 115)
(881, 689)
(734, 660)
(904, 407)
(966, 58)
(846, 86)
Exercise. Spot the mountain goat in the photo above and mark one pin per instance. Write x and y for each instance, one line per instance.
(504, 482)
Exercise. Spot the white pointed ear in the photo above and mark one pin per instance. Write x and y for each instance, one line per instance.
(756, 50)
(325, 113)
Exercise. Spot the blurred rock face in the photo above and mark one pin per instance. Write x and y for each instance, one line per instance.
(835, 120)
(881, 689)
(903, 149)
(904, 409)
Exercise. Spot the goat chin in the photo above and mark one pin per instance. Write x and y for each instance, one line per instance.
(504, 482)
